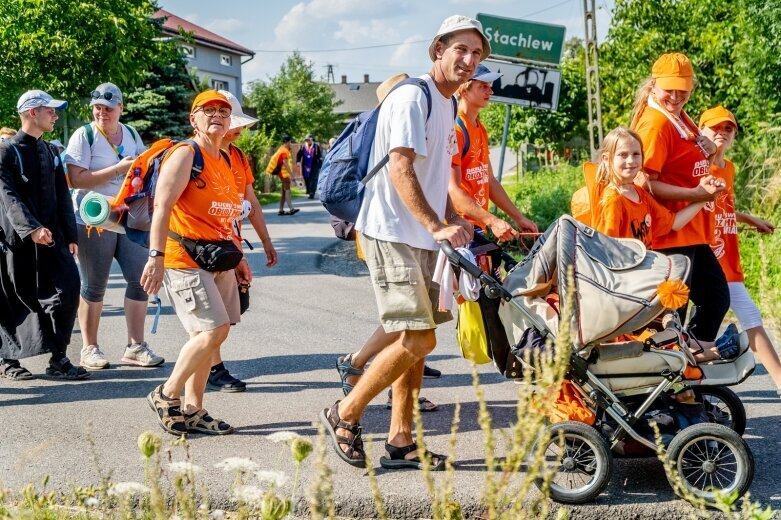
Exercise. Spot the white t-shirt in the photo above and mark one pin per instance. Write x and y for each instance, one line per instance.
(402, 124)
(101, 155)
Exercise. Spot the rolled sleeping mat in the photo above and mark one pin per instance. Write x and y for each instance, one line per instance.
(95, 210)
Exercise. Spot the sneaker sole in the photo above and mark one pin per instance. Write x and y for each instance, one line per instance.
(140, 364)
(151, 403)
(59, 375)
(228, 390)
(94, 367)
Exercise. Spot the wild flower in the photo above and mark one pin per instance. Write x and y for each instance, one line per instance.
(149, 444)
(217, 514)
(285, 436)
(249, 494)
(300, 448)
(184, 468)
(276, 478)
(237, 464)
(127, 488)
(274, 507)
(91, 502)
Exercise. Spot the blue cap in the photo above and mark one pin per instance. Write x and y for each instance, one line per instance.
(483, 73)
(36, 99)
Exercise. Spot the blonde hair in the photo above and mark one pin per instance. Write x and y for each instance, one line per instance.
(605, 173)
(7, 132)
(641, 101)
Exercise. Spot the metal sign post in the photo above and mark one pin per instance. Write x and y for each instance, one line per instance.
(504, 142)
(594, 106)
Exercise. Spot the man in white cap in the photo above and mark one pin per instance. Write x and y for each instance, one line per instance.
(472, 181)
(309, 158)
(406, 211)
(219, 376)
(40, 286)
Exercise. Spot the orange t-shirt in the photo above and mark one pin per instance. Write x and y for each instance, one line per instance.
(475, 173)
(203, 213)
(283, 156)
(620, 217)
(673, 160)
(725, 239)
(242, 172)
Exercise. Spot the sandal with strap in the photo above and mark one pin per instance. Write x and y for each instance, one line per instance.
(202, 422)
(15, 372)
(346, 369)
(64, 369)
(220, 378)
(354, 454)
(395, 458)
(168, 410)
(424, 404)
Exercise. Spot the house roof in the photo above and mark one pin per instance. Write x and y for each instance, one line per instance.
(355, 97)
(172, 24)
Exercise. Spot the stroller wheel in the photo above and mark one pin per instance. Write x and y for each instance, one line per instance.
(580, 467)
(723, 406)
(709, 458)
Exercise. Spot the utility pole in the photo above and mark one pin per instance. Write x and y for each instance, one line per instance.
(330, 74)
(594, 105)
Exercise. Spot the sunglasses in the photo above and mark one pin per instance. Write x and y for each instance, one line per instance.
(108, 96)
(211, 111)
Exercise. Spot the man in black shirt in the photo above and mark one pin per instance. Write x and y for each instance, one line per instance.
(39, 288)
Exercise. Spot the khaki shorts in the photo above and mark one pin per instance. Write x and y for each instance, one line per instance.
(285, 183)
(203, 300)
(406, 297)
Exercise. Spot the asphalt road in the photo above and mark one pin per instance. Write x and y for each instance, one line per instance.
(315, 305)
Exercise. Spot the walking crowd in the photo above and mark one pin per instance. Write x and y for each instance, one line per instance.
(665, 181)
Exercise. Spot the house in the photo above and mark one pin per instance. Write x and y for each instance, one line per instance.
(355, 97)
(212, 57)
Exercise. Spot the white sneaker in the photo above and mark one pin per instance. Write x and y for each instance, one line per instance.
(92, 357)
(141, 355)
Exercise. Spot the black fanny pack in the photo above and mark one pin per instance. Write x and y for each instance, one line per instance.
(220, 255)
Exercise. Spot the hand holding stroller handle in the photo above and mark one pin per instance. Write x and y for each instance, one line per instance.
(458, 260)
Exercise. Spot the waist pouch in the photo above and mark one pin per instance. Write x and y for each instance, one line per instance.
(212, 256)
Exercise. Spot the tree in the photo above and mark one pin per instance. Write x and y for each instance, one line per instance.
(293, 102)
(68, 47)
(530, 125)
(734, 45)
(161, 107)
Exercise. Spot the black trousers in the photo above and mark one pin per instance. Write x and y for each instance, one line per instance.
(311, 183)
(708, 291)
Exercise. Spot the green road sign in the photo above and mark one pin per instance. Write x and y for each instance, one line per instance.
(523, 40)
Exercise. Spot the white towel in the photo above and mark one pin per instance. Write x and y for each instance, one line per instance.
(444, 275)
(684, 130)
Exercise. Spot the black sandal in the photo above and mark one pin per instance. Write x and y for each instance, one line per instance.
(64, 369)
(354, 454)
(220, 378)
(14, 371)
(345, 368)
(394, 458)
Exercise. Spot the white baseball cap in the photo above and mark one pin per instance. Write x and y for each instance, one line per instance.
(483, 73)
(238, 118)
(36, 99)
(455, 23)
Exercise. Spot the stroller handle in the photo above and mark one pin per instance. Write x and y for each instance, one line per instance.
(494, 289)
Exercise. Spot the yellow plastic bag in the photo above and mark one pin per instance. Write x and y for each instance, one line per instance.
(471, 333)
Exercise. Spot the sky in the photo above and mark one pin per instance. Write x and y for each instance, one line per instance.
(399, 30)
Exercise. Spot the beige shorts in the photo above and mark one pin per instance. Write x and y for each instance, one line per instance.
(406, 297)
(203, 300)
(285, 183)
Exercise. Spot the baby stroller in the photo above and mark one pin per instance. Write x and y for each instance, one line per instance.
(630, 383)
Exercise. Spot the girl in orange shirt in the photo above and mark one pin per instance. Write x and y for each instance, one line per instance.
(719, 125)
(625, 210)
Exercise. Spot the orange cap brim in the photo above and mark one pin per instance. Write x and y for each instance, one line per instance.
(716, 120)
(675, 83)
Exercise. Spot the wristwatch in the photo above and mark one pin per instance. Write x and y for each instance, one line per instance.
(154, 253)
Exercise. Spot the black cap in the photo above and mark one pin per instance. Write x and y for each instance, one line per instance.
(286, 138)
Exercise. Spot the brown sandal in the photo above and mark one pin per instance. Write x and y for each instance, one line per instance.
(168, 410)
(202, 422)
(354, 454)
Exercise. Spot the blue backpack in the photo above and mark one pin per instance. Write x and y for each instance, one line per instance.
(344, 174)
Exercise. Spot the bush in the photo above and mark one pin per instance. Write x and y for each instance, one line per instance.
(545, 195)
(259, 146)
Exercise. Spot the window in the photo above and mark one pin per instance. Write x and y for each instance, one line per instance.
(219, 85)
(225, 60)
(188, 51)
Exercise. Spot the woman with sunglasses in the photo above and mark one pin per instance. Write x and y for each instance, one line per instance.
(98, 157)
(206, 302)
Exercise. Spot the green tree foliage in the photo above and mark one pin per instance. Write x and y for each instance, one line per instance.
(67, 47)
(734, 45)
(293, 102)
(530, 125)
(160, 107)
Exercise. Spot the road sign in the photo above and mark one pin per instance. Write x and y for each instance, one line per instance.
(525, 85)
(523, 40)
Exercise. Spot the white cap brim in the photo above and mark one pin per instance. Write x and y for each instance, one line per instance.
(489, 77)
(241, 120)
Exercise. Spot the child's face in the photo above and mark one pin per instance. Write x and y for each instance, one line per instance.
(627, 160)
(722, 134)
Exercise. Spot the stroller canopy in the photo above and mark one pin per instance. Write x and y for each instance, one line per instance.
(615, 280)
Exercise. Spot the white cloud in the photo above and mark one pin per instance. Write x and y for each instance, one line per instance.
(359, 32)
(415, 54)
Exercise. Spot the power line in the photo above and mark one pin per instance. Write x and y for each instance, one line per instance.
(347, 48)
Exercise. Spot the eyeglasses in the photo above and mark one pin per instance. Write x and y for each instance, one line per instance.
(108, 96)
(211, 111)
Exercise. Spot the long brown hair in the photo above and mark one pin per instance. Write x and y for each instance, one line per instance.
(605, 173)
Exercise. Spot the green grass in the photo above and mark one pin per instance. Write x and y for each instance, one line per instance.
(273, 198)
(544, 196)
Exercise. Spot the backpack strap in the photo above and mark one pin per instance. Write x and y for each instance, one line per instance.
(197, 168)
(133, 132)
(226, 156)
(455, 106)
(242, 155)
(460, 123)
(90, 134)
(19, 160)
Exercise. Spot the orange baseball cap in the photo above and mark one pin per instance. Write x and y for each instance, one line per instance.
(673, 71)
(209, 97)
(714, 116)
